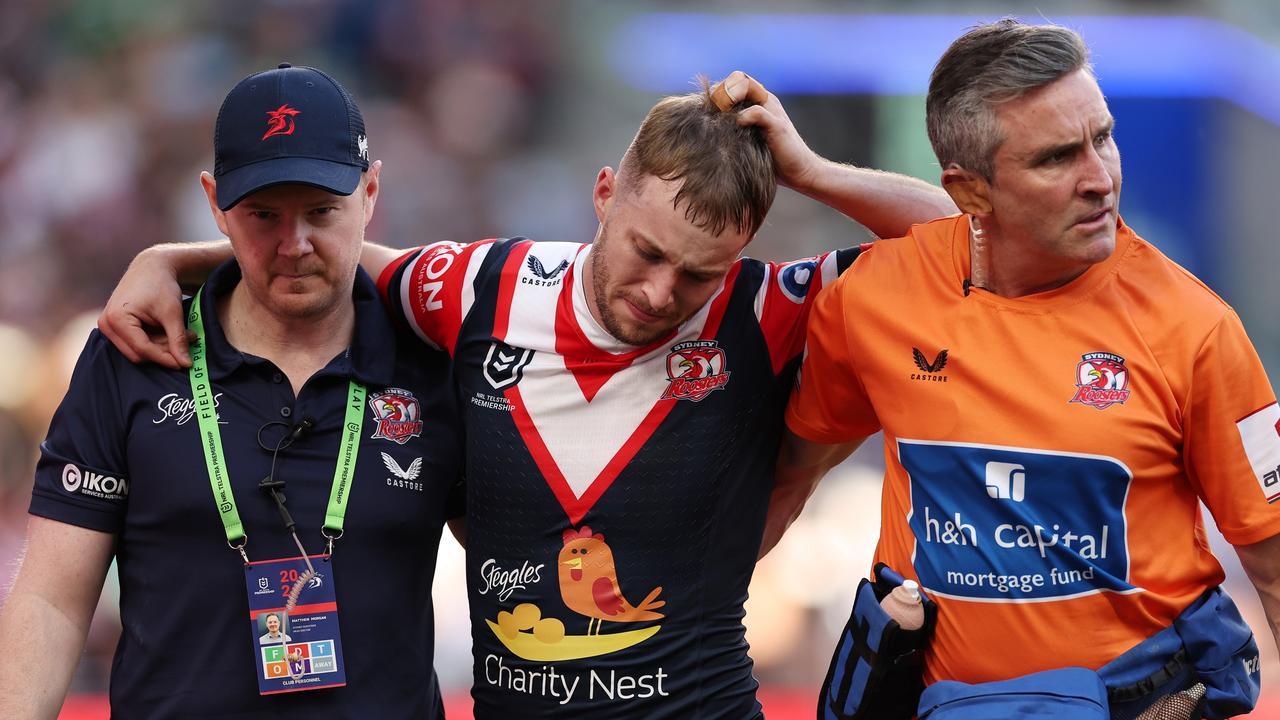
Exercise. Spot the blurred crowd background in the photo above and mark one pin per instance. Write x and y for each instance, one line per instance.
(493, 118)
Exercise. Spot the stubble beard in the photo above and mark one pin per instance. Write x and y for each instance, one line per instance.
(600, 292)
(600, 282)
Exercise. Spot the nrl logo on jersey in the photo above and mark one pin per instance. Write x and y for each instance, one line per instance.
(694, 370)
(1102, 380)
(504, 364)
(399, 415)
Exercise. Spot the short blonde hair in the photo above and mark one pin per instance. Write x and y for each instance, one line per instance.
(725, 169)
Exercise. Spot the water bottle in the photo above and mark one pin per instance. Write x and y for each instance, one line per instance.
(904, 605)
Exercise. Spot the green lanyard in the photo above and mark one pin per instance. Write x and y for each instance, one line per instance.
(214, 459)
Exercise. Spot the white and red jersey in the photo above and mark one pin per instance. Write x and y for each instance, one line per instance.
(616, 494)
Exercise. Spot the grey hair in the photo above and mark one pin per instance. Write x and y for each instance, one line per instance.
(991, 64)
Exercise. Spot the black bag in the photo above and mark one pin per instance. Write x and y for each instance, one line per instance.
(877, 669)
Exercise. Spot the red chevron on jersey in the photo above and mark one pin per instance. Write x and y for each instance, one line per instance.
(552, 360)
(602, 390)
(590, 366)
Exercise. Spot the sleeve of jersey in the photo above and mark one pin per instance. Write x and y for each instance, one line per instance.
(786, 296)
(81, 477)
(830, 404)
(1232, 436)
(433, 289)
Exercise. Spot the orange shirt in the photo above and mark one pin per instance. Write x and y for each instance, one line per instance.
(1045, 455)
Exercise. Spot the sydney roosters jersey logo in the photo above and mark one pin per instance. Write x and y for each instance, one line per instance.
(694, 370)
(399, 415)
(280, 121)
(1102, 380)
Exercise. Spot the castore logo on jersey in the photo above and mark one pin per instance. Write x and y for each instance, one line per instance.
(543, 276)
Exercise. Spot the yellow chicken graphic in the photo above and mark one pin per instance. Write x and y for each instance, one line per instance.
(589, 583)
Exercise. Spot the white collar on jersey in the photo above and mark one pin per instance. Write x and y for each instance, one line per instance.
(601, 338)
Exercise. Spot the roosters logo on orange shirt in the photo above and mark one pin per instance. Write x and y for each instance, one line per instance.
(695, 369)
(1102, 380)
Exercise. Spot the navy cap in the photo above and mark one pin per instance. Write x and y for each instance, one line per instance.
(288, 125)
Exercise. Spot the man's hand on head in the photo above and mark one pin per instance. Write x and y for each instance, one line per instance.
(796, 165)
(738, 87)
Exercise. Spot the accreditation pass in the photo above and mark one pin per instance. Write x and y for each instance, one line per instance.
(301, 650)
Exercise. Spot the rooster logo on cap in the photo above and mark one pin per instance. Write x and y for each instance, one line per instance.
(280, 121)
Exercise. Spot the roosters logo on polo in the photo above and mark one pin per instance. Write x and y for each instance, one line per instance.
(1101, 380)
(694, 370)
(399, 415)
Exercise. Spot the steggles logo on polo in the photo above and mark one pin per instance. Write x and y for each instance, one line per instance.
(280, 121)
(181, 409)
(1102, 380)
(694, 370)
(399, 415)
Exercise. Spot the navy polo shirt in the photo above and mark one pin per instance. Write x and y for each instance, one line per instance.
(123, 456)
